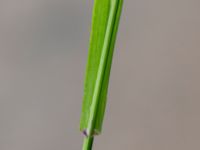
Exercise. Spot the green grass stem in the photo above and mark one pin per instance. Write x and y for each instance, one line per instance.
(105, 21)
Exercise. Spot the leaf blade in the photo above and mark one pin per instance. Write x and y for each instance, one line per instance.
(106, 16)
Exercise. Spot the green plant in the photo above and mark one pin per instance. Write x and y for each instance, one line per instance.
(105, 21)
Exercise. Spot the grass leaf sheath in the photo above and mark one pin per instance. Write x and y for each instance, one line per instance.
(105, 21)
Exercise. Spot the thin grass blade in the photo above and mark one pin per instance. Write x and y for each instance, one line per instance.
(105, 20)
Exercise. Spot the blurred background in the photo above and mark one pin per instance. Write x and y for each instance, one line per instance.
(154, 94)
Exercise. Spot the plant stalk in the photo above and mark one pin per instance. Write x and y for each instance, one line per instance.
(88, 142)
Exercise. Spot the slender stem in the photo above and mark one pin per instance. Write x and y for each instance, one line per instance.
(87, 143)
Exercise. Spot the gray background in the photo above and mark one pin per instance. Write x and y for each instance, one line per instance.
(154, 94)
